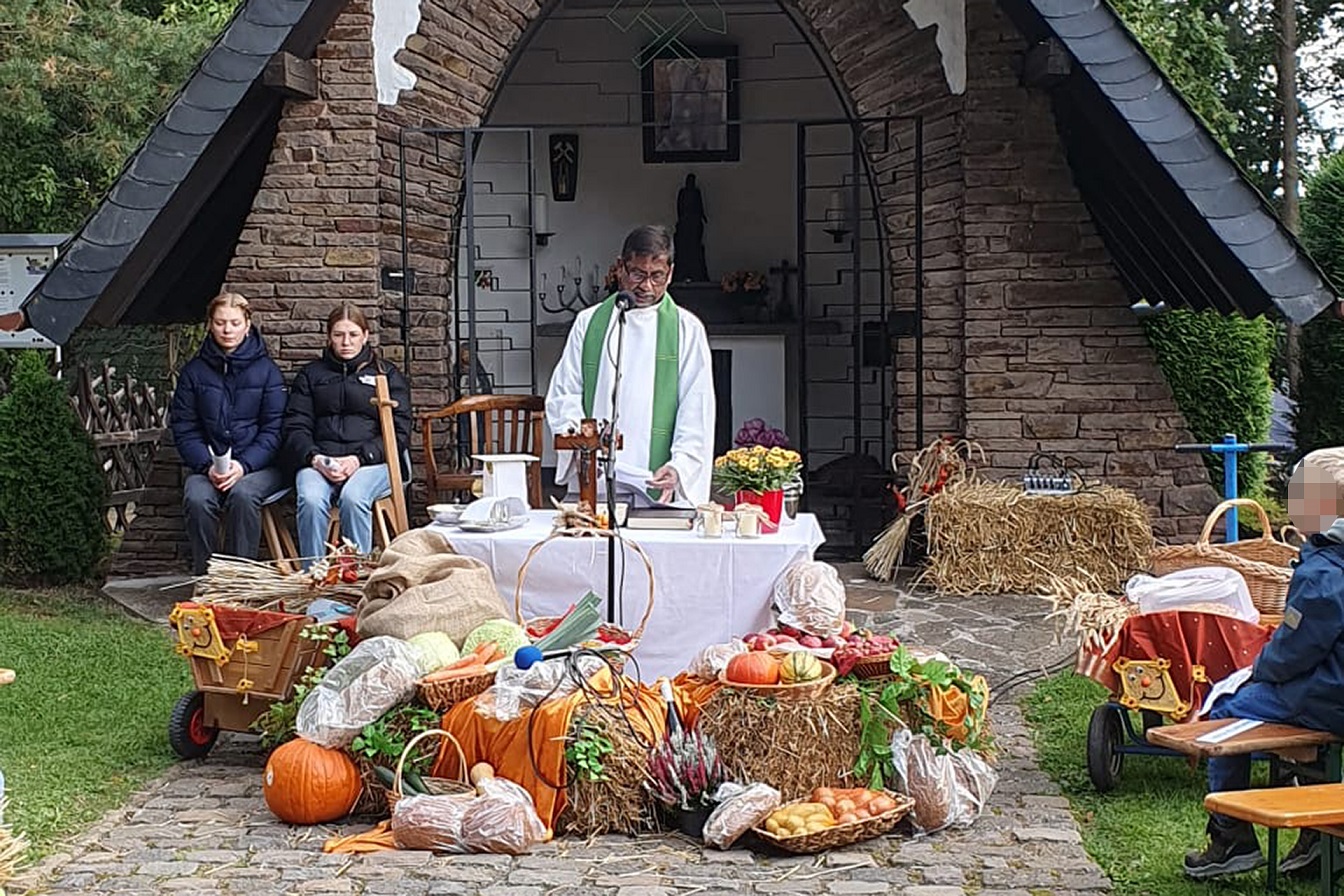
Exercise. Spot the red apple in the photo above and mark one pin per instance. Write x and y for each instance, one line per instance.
(846, 629)
(810, 641)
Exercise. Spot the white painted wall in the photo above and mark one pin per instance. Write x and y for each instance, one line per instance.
(577, 75)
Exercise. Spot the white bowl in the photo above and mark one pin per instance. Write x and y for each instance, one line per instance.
(446, 514)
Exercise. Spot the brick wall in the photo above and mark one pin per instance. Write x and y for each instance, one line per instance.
(1054, 357)
(1028, 339)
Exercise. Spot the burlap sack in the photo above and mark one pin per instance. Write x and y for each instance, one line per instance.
(421, 586)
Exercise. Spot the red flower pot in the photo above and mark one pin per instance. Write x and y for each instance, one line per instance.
(772, 502)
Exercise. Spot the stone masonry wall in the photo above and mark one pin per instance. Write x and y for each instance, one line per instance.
(1055, 360)
(1028, 339)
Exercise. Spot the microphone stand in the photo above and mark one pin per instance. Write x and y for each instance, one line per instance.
(609, 473)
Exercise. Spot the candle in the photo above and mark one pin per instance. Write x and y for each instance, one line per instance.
(836, 210)
(540, 216)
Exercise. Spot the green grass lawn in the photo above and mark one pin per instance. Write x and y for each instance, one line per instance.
(1139, 832)
(85, 722)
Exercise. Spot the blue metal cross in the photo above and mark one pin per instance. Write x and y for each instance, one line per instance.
(1229, 448)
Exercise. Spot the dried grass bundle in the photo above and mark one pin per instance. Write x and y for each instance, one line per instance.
(933, 468)
(238, 581)
(793, 745)
(992, 538)
(617, 804)
(1080, 609)
(13, 849)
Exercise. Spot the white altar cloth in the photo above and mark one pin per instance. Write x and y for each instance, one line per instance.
(706, 590)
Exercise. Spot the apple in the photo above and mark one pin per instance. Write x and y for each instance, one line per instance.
(810, 641)
(846, 629)
(785, 639)
(831, 641)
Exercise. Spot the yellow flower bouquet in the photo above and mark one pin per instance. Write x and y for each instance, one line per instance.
(756, 469)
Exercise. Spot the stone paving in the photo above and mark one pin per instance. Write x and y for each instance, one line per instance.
(202, 828)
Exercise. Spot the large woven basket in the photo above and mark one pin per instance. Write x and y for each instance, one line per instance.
(1262, 562)
(436, 786)
(442, 695)
(841, 834)
(617, 651)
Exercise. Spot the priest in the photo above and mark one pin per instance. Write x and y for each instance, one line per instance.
(666, 397)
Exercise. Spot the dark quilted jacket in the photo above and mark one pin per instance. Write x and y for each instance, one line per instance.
(234, 401)
(331, 411)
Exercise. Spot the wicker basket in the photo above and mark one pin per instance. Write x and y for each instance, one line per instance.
(618, 652)
(806, 690)
(873, 667)
(436, 786)
(442, 695)
(1262, 562)
(841, 834)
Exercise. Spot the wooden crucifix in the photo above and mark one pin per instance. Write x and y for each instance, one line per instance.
(590, 442)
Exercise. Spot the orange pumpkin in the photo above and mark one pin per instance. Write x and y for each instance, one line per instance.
(753, 667)
(305, 783)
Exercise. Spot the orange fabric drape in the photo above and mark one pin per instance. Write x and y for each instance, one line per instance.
(535, 758)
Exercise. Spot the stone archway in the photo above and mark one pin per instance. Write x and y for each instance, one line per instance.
(1028, 341)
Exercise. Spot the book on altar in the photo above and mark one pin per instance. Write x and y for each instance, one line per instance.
(660, 516)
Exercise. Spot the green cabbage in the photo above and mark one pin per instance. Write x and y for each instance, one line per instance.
(436, 650)
(508, 635)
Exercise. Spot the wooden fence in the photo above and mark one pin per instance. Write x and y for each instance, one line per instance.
(126, 420)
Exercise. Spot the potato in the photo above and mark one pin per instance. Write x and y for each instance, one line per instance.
(816, 827)
(845, 805)
(848, 818)
(881, 804)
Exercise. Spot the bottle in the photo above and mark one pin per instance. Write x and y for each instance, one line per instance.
(674, 725)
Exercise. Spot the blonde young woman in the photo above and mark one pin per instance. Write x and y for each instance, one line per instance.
(226, 417)
(332, 435)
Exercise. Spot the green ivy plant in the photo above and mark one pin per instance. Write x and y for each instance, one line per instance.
(903, 700)
(276, 724)
(586, 750)
(382, 742)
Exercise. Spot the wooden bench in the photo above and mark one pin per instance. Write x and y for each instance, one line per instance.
(1318, 806)
(1280, 742)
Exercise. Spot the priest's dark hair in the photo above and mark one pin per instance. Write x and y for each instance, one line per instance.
(649, 239)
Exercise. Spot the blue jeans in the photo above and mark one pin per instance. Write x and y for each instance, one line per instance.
(356, 497)
(1254, 700)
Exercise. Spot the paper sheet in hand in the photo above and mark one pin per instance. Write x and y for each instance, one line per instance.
(1227, 732)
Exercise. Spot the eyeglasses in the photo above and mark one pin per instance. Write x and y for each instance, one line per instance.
(638, 277)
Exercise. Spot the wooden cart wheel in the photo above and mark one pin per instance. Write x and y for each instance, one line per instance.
(1105, 736)
(189, 735)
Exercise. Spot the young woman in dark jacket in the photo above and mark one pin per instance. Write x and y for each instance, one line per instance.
(332, 435)
(226, 416)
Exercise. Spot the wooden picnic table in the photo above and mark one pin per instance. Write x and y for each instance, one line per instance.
(1286, 741)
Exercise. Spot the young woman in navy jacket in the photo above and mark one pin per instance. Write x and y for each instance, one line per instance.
(226, 418)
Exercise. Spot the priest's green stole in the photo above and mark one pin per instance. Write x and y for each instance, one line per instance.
(665, 372)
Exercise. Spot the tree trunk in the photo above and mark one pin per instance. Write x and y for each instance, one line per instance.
(1288, 100)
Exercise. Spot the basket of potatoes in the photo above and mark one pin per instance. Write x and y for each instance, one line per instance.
(833, 817)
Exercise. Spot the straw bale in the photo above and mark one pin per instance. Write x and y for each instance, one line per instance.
(993, 538)
(618, 804)
(793, 746)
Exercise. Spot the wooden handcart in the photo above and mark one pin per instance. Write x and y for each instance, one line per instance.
(242, 660)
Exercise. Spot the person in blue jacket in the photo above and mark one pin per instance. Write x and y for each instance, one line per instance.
(1298, 678)
(226, 416)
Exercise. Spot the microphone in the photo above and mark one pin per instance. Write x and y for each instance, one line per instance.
(625, 300)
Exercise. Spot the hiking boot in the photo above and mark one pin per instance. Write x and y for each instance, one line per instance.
(1224, 855)
(1304, 855)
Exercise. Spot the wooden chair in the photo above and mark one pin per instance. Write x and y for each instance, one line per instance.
(496, 424)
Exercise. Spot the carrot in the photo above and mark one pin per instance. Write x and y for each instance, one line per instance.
(453, 674)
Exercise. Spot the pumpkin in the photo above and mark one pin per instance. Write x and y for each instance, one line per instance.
(798, 667)
(305, 783)
(753, 667)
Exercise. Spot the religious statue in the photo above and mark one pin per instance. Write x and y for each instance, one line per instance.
(593, 441)
(689, 238)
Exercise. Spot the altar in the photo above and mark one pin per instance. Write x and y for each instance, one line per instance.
(705, 590)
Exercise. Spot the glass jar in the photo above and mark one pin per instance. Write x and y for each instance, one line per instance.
(793, 496)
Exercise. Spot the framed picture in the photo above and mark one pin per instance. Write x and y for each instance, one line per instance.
(690, 106)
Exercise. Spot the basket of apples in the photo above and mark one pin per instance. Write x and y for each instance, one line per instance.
(786, 638)
(865, 655)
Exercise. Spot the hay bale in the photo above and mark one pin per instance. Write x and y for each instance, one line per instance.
(992, 538)
(618, 804)
(792, 745)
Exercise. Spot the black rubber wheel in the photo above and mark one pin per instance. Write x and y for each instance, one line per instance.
(188, 734)
(1105, 736)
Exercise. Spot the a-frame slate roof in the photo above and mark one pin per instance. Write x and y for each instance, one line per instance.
(1179, 218)
(1182, 223)
(174, 213)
